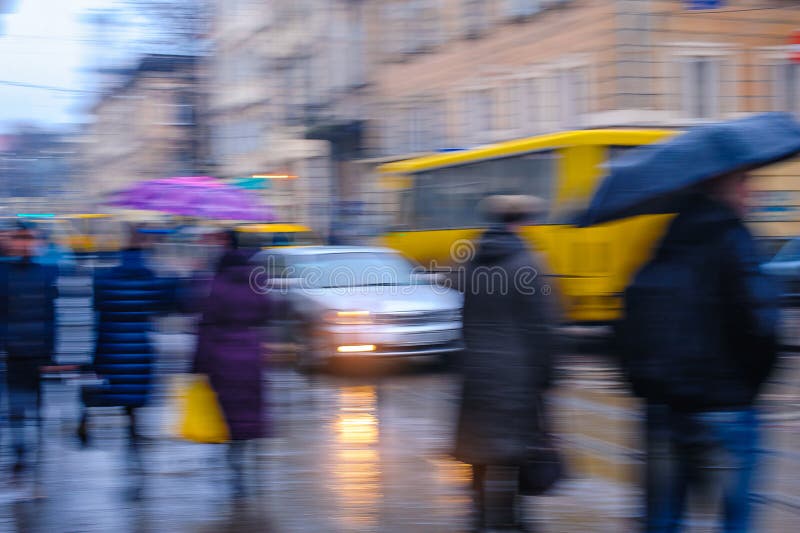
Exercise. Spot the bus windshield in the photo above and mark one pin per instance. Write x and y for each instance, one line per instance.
(449, 197)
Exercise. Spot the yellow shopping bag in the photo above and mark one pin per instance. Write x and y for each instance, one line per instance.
(201, 418)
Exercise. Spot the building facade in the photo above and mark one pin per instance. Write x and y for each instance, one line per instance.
(287, 87)
(145, 127)
(36, 170)
(325, 89)
(457, 73)
(460, 73)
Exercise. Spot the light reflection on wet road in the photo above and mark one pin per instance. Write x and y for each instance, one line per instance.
(360, 451)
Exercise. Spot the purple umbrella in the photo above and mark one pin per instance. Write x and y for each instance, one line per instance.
(194, 196)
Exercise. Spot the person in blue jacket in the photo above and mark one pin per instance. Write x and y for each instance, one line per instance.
(27, 330)
(126, 299)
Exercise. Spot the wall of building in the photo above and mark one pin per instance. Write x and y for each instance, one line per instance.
(145, 128)
(276, 69)
(515, 76)
(747, 45)
(580, 63)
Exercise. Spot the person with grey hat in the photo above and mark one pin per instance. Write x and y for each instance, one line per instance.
(509, 318)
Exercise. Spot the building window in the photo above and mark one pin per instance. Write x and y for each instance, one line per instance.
(534, 102)
(475, 17)
(320, 73)
(786, 88)
(437, 123)
(237, 138)
(700, 91)
(356, 42)
(390, 131)
(423, 25)
(504, 115)
(414, 129)
(521, 8)
(424, 126)
(573, 90)
(184, 110)
(179, 112)
(393, 29)
(478, 110)
(298, 84)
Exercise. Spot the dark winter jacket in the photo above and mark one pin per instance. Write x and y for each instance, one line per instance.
(739, 330)
(509, 315)
(27, 309)
(229, 346)
(126, 299)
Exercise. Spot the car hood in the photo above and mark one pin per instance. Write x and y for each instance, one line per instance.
(391, 299)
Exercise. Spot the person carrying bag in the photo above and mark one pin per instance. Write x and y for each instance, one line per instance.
(201, 419)
(506, 365)
(229, 352)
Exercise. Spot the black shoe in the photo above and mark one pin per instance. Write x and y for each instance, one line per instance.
(133, 494)
(19, 468)
(83, 434)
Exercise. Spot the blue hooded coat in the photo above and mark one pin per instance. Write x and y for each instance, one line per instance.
(126, 299)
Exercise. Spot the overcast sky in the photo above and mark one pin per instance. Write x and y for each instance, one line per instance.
(46, 43)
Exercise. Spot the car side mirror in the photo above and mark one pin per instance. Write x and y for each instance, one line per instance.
(284, 284)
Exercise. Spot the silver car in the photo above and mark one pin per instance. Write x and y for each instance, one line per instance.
(350, 300)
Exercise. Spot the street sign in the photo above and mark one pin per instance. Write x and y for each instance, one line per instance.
(251, 184)
(704, 4)
(794, 47)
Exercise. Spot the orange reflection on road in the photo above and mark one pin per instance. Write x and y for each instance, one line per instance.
(356, 469)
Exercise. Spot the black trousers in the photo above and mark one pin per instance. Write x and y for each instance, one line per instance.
(495, 490)
(24, 400)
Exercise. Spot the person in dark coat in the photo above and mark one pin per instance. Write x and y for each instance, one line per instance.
(27, 304)
(701, 378)
(507, 362)
(126, 299)
(229, 352)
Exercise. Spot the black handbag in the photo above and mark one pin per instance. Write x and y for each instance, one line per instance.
(543, 465)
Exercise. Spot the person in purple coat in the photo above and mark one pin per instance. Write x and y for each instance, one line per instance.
(229, 352)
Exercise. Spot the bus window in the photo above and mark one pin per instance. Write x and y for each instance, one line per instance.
(449, 197)
(616, 151)
(281, 239)
(407, 214)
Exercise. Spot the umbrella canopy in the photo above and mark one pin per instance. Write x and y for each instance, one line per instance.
(652, 178)
(194, 196)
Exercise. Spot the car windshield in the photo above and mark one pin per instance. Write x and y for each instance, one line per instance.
(353, 269)
(789, 252)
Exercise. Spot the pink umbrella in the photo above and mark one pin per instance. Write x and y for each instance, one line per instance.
(195, 196)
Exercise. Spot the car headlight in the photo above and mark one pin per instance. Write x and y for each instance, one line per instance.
(349, 318)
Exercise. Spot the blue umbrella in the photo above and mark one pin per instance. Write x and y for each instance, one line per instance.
(654, 178)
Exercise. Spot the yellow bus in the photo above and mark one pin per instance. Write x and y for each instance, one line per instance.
(274, 234)
(437, 200)
(93, 233)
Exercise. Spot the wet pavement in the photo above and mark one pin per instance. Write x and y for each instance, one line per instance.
(364, 449)
(357, 453)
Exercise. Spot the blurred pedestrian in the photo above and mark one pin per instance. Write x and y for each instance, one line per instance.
(126, 299)
(5, 238)
(698, 343)
(27, 303)
(507, 361)
(229, 352)
(195, 288)
(52, 253)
